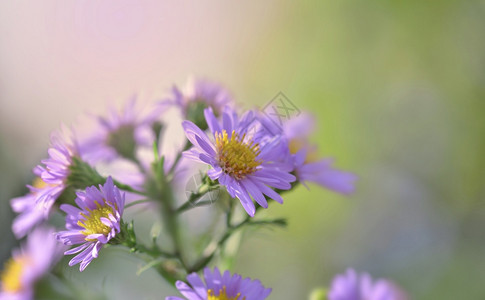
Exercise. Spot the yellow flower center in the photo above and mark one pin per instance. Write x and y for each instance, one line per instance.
(222, 295)
(92, 222)
(237, 157)
(39, 183)
(296, 145)
(11, 277)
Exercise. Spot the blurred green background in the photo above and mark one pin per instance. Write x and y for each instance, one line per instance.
(397, 88)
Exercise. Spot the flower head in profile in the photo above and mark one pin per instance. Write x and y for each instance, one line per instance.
(219, 286)
(198, 95)
(51, 180)
(28, 264)
(354, 286)
(239, 162)
(119, 134)
(94, 223)
(307, 165)
(30, 214)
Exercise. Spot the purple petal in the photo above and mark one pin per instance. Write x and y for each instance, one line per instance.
(255, 192)
(212, 120)
(187, 291)
(197, 285)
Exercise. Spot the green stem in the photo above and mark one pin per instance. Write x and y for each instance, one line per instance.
(229, 214)
(139, 165)
(152, 254)
(204, 261)
(170, 217)
(159, 188)
(138, 202)
(154, 251)
(128, 188)
(158, 265)
(179, 156)
(194, 197)
(231, 229)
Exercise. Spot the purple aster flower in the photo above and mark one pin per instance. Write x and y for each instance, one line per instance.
(57, 168)
(202, 91)
(119, 134)
(52, 180)
(197, 95)
(28, 264)
(94, 223)
(354, 286)
(219, 286)
(306, 164)
(29, 212)
(246, 168)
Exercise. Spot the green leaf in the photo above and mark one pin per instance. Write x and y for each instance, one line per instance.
(149, 265)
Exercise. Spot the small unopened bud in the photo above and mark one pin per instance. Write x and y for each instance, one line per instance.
(318, 294)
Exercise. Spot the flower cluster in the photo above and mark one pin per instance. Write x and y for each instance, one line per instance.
(249, 158)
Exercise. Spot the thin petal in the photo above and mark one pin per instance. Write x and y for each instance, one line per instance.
(212, 120)
(197, 285)
(192, 131)
(187, 291)
(255, 192)
(245, 200)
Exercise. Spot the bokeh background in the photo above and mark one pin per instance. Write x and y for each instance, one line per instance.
(397, 87)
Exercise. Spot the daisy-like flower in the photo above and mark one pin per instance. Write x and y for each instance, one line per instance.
(94, 223)
(28, 264)
(119, 134)
(52, 176)
(197, 95)
(306, 164)
(246, 168)
(219, 286)
(354, 286)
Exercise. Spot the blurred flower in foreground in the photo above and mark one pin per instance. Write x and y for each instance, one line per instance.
(353, 286)
(219, 286)
(29, 264)
(198, 95)
(119, 134)
(95, 224)
(30, 213)
(238, 161)
(52, 176)
(306, 163)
